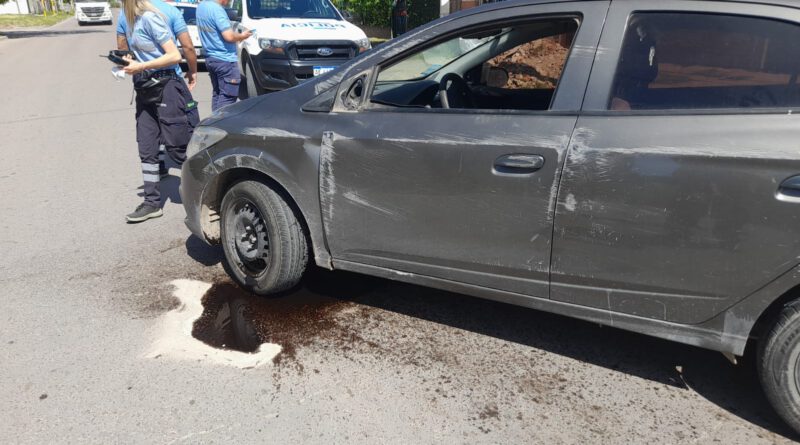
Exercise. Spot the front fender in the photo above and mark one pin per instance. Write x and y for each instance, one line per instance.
(294, 170)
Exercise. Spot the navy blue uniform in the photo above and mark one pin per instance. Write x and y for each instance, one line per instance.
(165, 114)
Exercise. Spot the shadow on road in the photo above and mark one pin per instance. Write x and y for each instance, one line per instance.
(169, 186)
(707, 373)
(201, 252)
(46, 33)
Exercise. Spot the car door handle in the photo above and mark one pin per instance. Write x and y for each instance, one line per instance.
(789, 190)
(520, 164)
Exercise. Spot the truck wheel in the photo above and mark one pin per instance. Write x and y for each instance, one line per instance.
(779, 365)
(264, 244)
(250, 81)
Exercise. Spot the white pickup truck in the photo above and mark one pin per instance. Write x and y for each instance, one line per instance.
(293, 40)
(91, 11)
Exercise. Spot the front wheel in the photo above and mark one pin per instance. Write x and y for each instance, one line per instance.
(264, 244)
(253, 89)
(779, 365)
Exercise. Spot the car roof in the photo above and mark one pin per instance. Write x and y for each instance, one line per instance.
(666, 3)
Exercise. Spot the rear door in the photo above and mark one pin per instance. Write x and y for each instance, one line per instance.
(464, 194)
(677, 197)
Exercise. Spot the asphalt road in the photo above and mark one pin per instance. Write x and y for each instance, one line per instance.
(85, 298)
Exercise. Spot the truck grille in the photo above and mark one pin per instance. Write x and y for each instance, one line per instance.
(95, 11)
(310, 50)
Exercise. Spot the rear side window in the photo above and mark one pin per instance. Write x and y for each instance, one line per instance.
(706, 61)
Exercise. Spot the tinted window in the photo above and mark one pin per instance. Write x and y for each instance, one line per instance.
(704, 61)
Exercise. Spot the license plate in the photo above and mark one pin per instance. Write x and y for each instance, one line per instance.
(318, 70)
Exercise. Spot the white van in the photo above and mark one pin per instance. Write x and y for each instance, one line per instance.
(92, 11)
(293, 40)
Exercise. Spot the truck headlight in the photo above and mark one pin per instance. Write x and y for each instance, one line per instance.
(274, 46)
(363, 45)
(203, 138)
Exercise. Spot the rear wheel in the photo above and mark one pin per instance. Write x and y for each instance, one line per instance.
(779, 365)
(264, 244)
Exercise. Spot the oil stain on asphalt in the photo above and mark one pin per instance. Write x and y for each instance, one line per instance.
(234, 319)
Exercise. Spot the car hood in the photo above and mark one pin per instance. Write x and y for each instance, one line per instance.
(304, 29)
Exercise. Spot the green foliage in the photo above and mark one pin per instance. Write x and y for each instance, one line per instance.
(3, 2)
(368, 12)
(421, 12)
(379, 12)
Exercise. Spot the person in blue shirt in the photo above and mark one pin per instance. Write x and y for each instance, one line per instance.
(163, 113)
(177, 24)
(220, 41)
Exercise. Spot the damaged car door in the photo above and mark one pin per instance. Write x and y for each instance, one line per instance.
(443, 158)
(679, 177)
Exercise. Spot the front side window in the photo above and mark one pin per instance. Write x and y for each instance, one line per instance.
(706, 61)
(513, 67)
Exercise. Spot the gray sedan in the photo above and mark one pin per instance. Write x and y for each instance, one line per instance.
(636, 164)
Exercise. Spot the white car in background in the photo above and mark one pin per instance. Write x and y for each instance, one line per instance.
(91, 11)
(189, 10)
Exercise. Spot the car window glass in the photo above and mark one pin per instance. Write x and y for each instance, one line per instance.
(188, 14)
(532, 65)
(310, 9)
(506, 68)
(704, 61)
(432, 59)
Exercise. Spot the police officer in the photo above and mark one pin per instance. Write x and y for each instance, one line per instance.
(220, 41)
(163, 115)
(177, 24)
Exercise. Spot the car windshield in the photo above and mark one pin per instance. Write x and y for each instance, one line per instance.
(188, 15)
(431, 60)
(308, 9)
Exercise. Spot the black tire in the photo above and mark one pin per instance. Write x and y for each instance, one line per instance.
(252, 89)
(779, 365)
(271, 253)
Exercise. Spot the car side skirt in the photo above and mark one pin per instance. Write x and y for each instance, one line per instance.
(725, 332)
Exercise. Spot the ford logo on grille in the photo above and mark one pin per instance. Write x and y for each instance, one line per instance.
(324, 51)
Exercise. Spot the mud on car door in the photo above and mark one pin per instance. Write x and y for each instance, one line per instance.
(465, 194)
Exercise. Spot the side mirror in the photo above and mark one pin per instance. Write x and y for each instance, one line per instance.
(347, 15)
(351, 98)
(233, 15)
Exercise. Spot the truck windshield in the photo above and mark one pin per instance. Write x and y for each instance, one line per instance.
(295, 9)
(188, 15)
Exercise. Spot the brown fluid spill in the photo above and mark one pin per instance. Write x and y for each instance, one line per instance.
(235, 319)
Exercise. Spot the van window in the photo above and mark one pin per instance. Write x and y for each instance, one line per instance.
(706, 61)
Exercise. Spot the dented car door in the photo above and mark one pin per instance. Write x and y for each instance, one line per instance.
(458, 194)
(680, 171)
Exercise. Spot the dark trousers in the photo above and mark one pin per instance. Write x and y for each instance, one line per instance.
(225, 80)
(171, 123)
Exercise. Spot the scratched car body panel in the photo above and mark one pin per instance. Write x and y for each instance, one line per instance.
(670, 222)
